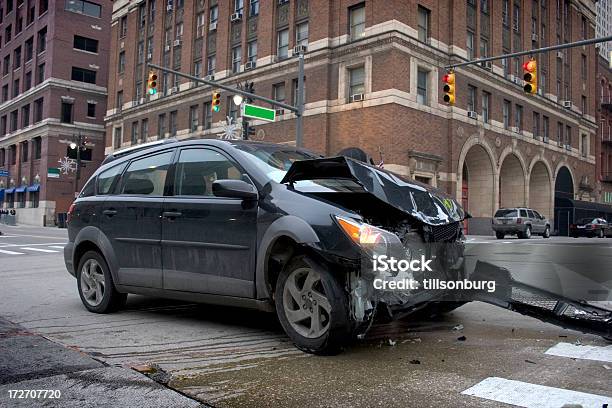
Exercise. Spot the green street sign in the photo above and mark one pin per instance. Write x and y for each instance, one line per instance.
(53, 172)
(258, 112)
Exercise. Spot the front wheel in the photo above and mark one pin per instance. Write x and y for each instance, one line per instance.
(546, 232)
(600, 234)
(312, 307)
(500, 235)
(95, 285)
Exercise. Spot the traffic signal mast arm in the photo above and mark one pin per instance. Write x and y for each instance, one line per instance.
(227, 88)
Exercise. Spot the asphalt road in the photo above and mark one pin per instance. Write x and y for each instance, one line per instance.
(477, 356)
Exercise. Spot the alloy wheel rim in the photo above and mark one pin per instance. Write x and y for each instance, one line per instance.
(306, 305)
(92, 282)
(528, 232)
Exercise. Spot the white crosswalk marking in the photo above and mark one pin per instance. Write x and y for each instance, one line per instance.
(2, 251)
(37, 249)
(582, 352)
(528, 395)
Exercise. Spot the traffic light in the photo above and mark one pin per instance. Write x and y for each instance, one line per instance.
(449, 88)
(152, 83)
(530, 69)
(252, 131)
(216, 101)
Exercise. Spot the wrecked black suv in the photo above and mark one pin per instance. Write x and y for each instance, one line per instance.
(265, 226)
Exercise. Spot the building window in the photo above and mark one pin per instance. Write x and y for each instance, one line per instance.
(43, 6)
(207, 115)
(123, 27)
(41, 74)
(14, 124)
(301, 34)
(140, 57)
(161, 126)
(36, 147)
(252, 51)
(119, 103)
(134, 139)
(214, 14)
(194, 118)
(471, 103)
(41, 41)
(536, 125)
(545, 130)
(2, 133)
(121, 66)
(178, 32)
(91, 110)
(118, 137)
(506, 113)
(232, 109)
(173, 124)
(25, 116)
(568, 136)
(357, 22)
(85, 44)
(5, 93)
(583, 67)
(15, 88)
(423, 23)
(7, 65)
(236, 59)
(83, 75)
(422, 79)
(254, 8)
(278, 92)
(17, 58)
(469, 45)
(66, 112)
(197, 69)
(282, 49)
(8, 32)
(356, 81)
(24, 152)
(34, 199)
(560, 133)
(516, 18)
(200, 25)
(484, 48)
(84, 7)
(38, 110)
(518, 117)
(238, 6)
(211, 62)
(486, 98)
(484, 6)
(584, 145)
(29, 49)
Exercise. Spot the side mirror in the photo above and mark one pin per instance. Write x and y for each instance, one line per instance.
(234, 189)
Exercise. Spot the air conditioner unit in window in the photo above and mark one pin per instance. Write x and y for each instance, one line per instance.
(167, 48)
(472, 115)
(356, 98)
(517, 80)
(299, 49)
(559, 54)
(515, 129)
(534, 37)
(169, 8)
(236, 17)
(250, 65)
(567, 104)
(149, 56)
(213, 26)
(209, 78)
(177, 43)
(568, 147)
(281, 2)
(486, 65)
(174, 89)
(545, 139)
(280, 112)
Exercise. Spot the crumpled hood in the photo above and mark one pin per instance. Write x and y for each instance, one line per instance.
(421, 201)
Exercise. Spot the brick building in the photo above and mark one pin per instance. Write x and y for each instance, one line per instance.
(373, 80)
(53, 60)
(604, 119)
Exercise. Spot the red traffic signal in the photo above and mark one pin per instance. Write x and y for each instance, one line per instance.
(449, 88)
(530, 69)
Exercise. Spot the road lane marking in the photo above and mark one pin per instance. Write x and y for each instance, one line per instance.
(581, 352)
(38, 249)
(30, 245)
(2, 251)
(528, 395)
(56, 246)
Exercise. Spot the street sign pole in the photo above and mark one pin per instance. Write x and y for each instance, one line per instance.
(299, 126)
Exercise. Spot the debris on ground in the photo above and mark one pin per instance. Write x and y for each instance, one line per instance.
(154, 372)
(392, 343)
(462, 338)
(415, 361)
(458, 327)
(578, 342)
(415, 340)
(607, 367)
(530, 362)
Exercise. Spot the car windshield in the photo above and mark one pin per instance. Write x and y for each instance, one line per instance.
(506, 213)
(585, 220)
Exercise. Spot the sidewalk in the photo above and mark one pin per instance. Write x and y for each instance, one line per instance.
(31, 362)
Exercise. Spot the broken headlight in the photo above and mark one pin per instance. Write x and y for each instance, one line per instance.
(375, 241)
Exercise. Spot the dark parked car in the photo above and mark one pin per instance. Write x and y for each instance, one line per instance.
(522, 222)
(257, 225)
(590, 227)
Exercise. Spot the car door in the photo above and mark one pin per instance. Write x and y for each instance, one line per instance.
(131, 220)
(532, 222)
(208, 242)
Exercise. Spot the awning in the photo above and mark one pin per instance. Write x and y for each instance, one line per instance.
(9, 190)
(21, 189)
(1, 193)
(33, 188)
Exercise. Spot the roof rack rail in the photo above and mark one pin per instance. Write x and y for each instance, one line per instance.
(132, 149)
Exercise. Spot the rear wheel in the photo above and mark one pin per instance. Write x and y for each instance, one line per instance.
(95, 285)
(546, 233)
(525, 234)
(600, 234)
(500, 235)
(312, 307)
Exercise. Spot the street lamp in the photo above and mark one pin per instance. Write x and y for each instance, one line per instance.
(73, 146)
(237, 99)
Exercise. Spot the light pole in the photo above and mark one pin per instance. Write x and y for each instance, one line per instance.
(299, 127)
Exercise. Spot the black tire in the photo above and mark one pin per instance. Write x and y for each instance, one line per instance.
(500, 235)
(526, 234)
(111, 299)
(601, 234)
(339, 329)
(546, 233)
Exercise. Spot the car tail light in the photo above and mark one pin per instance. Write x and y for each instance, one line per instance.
(70, 212)
(519, 220)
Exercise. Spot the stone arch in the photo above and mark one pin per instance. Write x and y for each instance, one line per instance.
(541, 187)
(476, 162)
(512, 180)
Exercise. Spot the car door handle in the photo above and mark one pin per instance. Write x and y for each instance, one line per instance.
(109, 213)
(171, 214)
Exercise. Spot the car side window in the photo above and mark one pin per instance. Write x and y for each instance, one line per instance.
(89, 189)
(197, 169)
(523, 213)
(530, 214)
(147, 176)
(537, 214)
(107, 179)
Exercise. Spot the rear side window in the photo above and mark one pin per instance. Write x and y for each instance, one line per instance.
(523, 213)
(108, 178)
(147, 176)
(505, 213)
(198, 169)
(89, 189)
